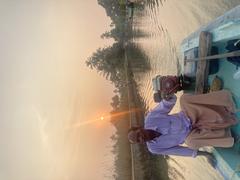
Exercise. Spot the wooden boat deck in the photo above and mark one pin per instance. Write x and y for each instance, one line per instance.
(205, 45)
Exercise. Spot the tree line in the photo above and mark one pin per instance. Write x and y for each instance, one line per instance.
(110, 62)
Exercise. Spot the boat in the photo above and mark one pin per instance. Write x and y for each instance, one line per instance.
(214, 50)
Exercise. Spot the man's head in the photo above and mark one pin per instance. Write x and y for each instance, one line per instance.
(139, 135)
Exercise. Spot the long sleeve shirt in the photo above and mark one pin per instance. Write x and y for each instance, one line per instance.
(173, 128)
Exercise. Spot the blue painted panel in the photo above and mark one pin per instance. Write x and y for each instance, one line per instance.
(223, 29)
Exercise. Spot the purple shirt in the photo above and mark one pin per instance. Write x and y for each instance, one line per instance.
(173, 128)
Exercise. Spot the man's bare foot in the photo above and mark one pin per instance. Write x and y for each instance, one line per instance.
(210, 157)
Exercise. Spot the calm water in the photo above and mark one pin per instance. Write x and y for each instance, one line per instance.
(164, 25)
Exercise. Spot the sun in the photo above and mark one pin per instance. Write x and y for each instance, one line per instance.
(102, 118)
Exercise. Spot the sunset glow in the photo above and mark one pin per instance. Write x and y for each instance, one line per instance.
(107, 117)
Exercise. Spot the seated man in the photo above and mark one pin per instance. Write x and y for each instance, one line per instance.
(204, 120)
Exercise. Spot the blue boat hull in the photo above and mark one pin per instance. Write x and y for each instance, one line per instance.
(223, 29)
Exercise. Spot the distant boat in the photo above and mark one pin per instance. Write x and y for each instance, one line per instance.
(130, 8)
(222, 47)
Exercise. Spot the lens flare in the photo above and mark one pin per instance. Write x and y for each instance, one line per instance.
(102, 118)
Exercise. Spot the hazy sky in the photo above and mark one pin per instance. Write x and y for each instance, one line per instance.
(47, 93)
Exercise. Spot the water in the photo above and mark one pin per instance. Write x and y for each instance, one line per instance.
(164, 25)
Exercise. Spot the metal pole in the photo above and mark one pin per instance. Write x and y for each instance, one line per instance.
(214, 57)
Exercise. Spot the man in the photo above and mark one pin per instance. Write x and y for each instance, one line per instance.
(204, 120)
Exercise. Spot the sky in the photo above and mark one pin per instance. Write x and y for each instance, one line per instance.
(51, 103)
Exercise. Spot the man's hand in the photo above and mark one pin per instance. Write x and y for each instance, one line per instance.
(167, 97)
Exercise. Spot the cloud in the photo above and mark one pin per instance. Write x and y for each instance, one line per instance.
(42, 128)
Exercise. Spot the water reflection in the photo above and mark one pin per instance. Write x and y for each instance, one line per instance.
(165, 24)
(137, 58)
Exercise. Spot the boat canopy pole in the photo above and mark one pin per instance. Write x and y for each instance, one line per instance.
(214, 57)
